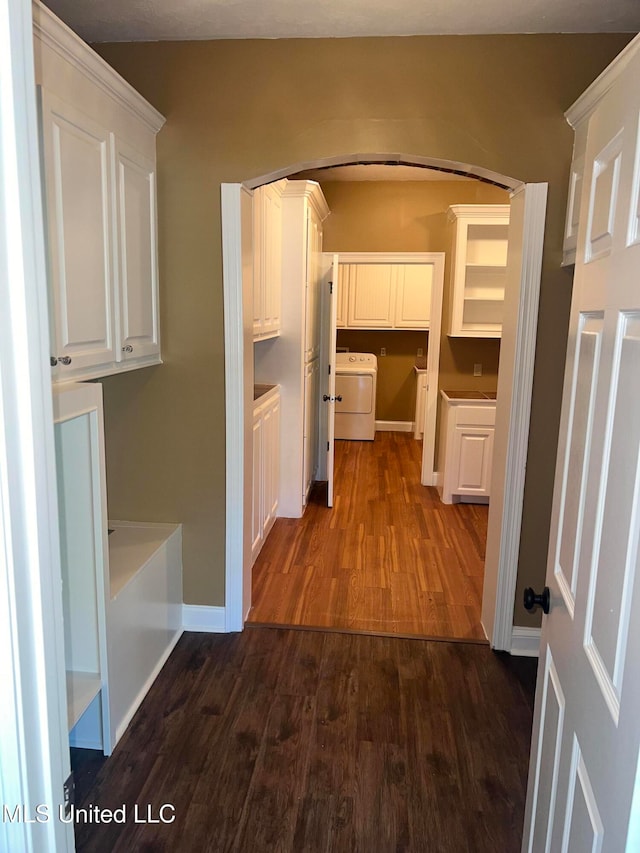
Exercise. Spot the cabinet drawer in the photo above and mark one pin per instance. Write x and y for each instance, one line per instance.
(475, 415)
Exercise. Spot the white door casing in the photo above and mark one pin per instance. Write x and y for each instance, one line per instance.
(33, 725)
(586, 738)
(330, 313)
(498, 600)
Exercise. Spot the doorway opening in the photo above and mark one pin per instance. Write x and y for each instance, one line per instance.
(471, 521)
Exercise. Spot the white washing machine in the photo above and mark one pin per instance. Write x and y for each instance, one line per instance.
(356, 378)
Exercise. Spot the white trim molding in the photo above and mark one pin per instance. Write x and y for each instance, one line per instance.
(525, 642)
(209, 620)
(394, 426)
(598, 89)
(503, 539)
(60, 38)
(234, 401)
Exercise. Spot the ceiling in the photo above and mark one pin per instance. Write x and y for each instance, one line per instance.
(154, 20)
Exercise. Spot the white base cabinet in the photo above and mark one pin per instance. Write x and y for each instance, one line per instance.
(266, 467)
(467, 434)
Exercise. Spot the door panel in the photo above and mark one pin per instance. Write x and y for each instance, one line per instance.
(78, 190)
(139, 321)
(593, 630)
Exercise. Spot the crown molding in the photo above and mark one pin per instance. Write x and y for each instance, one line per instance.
(477, 211)
(57, 36)
(312, 191)
(590, 98)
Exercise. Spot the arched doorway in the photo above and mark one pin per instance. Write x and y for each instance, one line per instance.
(515, 381)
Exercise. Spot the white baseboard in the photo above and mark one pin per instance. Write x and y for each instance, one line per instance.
(120, 730)
(525, 642)
(210, 620)
(394, 426)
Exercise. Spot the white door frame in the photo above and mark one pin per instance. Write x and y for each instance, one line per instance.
(499, 593)
(33, 724)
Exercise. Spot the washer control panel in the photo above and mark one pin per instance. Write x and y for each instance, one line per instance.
(365, 359)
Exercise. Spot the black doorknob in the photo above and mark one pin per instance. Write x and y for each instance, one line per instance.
(531, 600)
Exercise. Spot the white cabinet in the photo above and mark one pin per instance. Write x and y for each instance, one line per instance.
(413, 283)
(267, 271)
(371, 296)
(421, 402)
(266, 467)
(478, 269)
(121, 582)
(98, 151)
(311, 412)
(78, 189)
(467, 433)
(139, 327)
(313, 280)
(387, 291)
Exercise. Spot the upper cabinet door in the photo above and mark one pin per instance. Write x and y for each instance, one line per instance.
(371, 297)
(138, 262)
(78, 210)
(413, 295)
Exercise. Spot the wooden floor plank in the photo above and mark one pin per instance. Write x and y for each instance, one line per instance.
(389, 557)
(321, 742)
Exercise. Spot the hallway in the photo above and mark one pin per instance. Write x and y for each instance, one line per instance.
(389, 557)
(292, 741)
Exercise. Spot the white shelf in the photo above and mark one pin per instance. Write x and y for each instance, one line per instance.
(131, 547)
(499, 297)
(82, 689)
(499, 268)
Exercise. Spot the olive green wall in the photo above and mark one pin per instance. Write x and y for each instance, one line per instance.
(409, 216)
(238, 110)
(396, 386)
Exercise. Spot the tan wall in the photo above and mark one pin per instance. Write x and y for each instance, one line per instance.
(242, 109)
(396, 385)
(408, 216)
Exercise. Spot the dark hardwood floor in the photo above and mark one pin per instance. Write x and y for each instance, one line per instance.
(389, 557)
(281, 740)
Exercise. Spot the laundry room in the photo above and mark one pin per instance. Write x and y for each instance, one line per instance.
(401, 209)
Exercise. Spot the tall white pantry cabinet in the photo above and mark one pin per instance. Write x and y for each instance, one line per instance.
(292, 359)
(121, 582)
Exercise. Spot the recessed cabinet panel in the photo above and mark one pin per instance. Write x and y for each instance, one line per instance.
(78, 187)
(267, 270)
(413, 296)
(371, 292)
(138, 257)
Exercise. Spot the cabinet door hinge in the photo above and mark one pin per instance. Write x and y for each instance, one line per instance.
(330, 287)
(327, 445)
(329, 369)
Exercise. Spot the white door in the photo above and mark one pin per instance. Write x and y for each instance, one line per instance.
(78, 212)
(584, 762)
(138, 256)
(327, 382)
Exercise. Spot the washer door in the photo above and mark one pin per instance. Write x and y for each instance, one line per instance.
(356, 391)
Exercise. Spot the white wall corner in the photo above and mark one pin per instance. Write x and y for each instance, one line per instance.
(525, 642)
(209, 620)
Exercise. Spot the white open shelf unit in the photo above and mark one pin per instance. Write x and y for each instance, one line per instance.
(479, 269)
(122, 594)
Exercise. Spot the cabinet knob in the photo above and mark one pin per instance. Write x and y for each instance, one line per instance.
(65, 359)
(127, 348)
(53, 361)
